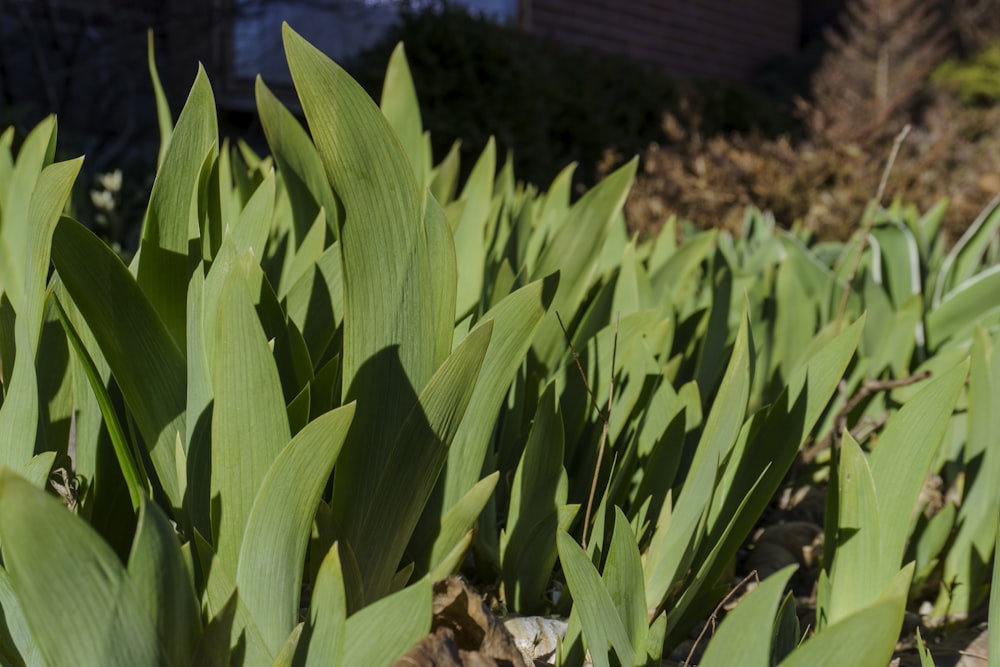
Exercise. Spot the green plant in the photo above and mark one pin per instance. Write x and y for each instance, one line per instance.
(974, 81)
(333, 371)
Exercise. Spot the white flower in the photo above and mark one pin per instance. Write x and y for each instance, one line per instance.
(102, 200)
(111, 181)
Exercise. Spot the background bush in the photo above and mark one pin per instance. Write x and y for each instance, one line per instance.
(552, 104)
(975, 81)
(873, 79)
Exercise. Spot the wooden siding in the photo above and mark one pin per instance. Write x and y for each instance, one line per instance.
(719, 38)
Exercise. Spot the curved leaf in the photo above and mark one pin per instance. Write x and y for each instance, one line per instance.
(380, 522)
(603, 629)
(278, 527)
(48, 551)
(408, 613)
(470, 234)
(171, 218)
(163, 582)
(516, 319)
(901, 461)
(324, 636)
(575, 251)
(298, 162)
(249, 421)
(399, 104)
(746, 629)
(147, 364)
(854, 579)
(389, 317)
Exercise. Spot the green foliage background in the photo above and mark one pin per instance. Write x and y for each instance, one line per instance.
(342, 368)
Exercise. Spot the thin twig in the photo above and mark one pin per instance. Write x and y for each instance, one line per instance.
(868, 221)
(868, 425)
(976, 656)
(715, 613)
(867, 388)
(893, 154)
(605, 417)
(579, 367)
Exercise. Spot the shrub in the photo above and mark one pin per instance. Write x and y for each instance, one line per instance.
(872, 82)
(549, 103)
(976, 81)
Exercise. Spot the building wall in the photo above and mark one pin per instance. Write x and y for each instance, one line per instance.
(718, 38)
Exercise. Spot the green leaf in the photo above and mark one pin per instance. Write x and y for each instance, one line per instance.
(37, 469)
(444, 180)
(213, 648)
(279, 524)
(52, 191)
(455, 526)
(135, 476)
(867, 637)
(654, 642)
(450, 563)
(306, 255)
(900, 463)
(470, 235)
(539, 490)
(220, 591)
(575, 250)
(967, 559)
(20, 410)
(854, 578)
(298, 162)
(17, 646)
(926, 659)
(48, 551)
(623, 578)
(34, 155)
(315, 303)
(389, 317)
(379, 522)
(931, 541)
(408, 613)
(712, 350)
(145, 361)
(162, 580)
(966, 257)
(163, 117)
(325, 634)
(286, 656)
(672, 550)
(896, 264)
(787, 632)
(746, 630)
(602, 626)
(441, 247)
(219, 204)
(172, 216)
(399, 104)
(249, 422)
(515, 320)
(675, 279)
(253, 224)
(972, 300)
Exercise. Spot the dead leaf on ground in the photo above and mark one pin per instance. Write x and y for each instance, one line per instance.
(464, 633)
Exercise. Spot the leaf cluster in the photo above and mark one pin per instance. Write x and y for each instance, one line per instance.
(331, 376)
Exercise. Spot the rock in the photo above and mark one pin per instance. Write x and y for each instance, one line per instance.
(536, 637)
